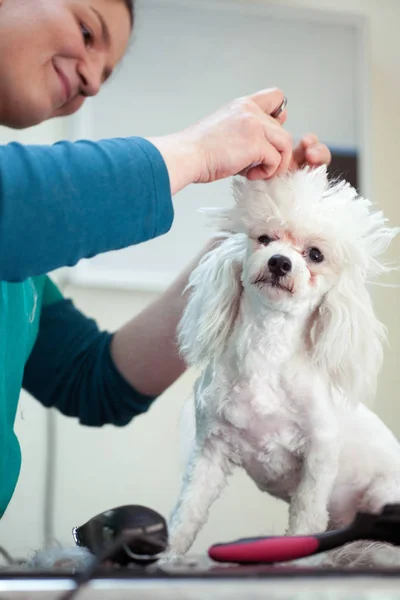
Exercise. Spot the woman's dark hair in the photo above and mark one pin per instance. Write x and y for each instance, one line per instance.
(130, 5)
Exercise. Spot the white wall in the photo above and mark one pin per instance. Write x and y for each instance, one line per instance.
(100, 469)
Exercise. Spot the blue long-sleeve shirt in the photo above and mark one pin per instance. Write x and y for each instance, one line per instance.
(70, 201)
(60, 204)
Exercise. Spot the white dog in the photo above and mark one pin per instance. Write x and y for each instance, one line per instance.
(281, 323)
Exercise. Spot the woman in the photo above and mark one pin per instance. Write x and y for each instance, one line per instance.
(71, 201)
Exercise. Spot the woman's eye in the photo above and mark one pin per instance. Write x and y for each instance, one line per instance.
(315, 255)
(264, 240)
(87, 35)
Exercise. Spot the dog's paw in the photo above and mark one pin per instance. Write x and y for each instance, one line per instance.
(308, 522)
(179, 544)
(181, 536)
(178, 547)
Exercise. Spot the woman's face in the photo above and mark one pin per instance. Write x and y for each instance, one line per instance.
(54, 53)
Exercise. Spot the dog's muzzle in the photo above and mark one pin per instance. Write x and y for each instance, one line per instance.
(279, 265)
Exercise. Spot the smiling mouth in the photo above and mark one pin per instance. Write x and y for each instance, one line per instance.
(64, 83)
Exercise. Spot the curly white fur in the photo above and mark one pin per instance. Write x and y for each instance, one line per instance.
(287, 363)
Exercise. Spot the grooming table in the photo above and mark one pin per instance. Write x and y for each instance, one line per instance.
(198, 579)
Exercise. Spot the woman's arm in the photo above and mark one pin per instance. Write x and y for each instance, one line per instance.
(103, 378)
(70, 368)
(66, 202)
(70, 201)
(145, 350)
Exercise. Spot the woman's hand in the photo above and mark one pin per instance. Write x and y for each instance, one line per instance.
(241, 137)
(310, 151)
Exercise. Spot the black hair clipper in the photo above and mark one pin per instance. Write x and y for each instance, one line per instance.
(124, 535)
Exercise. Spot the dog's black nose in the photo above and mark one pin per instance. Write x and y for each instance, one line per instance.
(279, 265)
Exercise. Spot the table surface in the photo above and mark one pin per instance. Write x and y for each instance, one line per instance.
(357, 588)
(196, 578)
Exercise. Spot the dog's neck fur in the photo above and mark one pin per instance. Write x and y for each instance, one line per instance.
(267, 336)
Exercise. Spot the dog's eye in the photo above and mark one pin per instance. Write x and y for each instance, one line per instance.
(315, 255)
(264, 240)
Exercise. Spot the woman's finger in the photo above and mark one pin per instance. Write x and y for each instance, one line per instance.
(283, 142)
(268, 100)
(282, 117)
(309, 140)
(318, 155)
(267, 166)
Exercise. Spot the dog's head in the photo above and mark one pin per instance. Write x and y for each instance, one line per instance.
(305, 246)
(289, 270)
(305, 236)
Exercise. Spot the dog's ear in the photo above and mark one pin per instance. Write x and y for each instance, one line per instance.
(347, 339)
(214, 294)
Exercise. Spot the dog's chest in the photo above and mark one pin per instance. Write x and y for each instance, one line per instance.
(270, 405)
(266, 434)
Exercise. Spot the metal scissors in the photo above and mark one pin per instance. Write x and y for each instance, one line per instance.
(280, 108)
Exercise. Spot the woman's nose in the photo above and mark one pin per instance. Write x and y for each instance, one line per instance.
(90, 78)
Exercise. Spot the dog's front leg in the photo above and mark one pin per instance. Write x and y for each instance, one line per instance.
(308, 509)
(203, 482)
